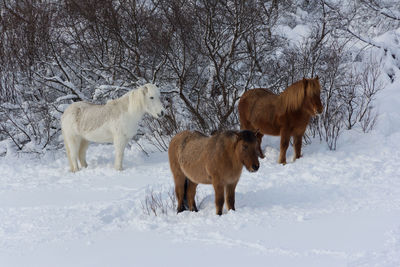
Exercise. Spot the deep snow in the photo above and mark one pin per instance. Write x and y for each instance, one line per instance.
(330, 208)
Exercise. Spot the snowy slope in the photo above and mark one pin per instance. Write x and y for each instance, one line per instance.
(330, 208)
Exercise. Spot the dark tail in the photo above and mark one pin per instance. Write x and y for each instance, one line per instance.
(185, 201)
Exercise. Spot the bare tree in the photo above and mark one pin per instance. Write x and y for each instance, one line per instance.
(203, 54)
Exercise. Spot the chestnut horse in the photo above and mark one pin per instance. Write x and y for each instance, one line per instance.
(195, 159)
(286, 114)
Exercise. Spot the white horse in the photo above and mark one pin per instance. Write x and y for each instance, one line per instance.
(115, 122)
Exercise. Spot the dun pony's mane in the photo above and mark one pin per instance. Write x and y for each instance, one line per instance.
(292, 98)
(247, 136)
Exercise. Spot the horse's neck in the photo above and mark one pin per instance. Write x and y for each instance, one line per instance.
(281, 110)
(237, 163)
(234, 157)
(280, 106)
(135, 109)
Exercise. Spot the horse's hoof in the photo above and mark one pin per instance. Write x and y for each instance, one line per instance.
(194, 209)
(180, 209)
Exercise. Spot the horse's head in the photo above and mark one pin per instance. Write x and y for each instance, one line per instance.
(247, 150)
(312, 100)
(151, 100)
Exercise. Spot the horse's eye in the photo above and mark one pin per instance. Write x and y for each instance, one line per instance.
(245, 147)
(151, 97)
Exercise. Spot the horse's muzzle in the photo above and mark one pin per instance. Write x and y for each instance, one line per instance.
(317, 111)
(254, 167)
(161, 114)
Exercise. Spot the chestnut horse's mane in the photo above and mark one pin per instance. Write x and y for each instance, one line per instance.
(292, 98)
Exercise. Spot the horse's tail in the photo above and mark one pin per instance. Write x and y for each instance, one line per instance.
(243, 110)
(185, 200)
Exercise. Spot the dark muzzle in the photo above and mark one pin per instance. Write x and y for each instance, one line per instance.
(161, 114)
(255, 167)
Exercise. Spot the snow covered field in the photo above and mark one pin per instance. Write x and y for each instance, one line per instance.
(330, 208)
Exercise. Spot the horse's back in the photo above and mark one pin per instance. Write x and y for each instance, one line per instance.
(85, 115)
(253, 102)
(188, 152)
(71, 116)
(76, 109)
(89, 121)
(254, 96)
(186, 141)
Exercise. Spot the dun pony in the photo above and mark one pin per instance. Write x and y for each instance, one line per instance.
(284, 115)
(218, 160)
(115, 122)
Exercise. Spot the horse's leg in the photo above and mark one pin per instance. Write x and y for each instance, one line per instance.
(190, 194)
(297, 142)
(180, 180)
(230, 196)
(285, 138)
(219, 196)
(119, 145)
(72, 151)
(68, 153)
(82, 152)
(259, 138)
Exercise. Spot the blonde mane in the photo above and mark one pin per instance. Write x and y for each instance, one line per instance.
(293, 97)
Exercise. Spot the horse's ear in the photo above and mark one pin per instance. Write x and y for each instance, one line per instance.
(305, 84)
(237, 136)
(145, 89)
(317, 78)
(132, 99)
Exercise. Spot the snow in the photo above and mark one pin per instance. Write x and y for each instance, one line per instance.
(329, 208)
(297, 35)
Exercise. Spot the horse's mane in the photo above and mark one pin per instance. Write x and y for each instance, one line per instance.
(292, 98)
(245, 135)
(135, 99)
